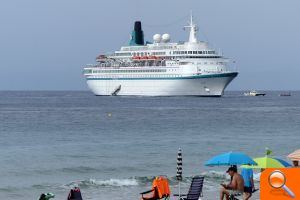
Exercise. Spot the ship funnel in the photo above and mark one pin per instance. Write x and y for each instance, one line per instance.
(137, 35)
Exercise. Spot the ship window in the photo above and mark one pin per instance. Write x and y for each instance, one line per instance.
(199, 52)
(194, 52)
(190, 52)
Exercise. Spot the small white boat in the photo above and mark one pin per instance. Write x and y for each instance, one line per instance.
(286, 94)
(254, 93)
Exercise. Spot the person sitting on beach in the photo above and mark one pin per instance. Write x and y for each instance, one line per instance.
(235, 186)
(247, 175)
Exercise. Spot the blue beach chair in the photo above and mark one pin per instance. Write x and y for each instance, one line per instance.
(195, 190)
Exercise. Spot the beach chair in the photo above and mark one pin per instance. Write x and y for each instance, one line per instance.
(75, 194)
(195, 191)
(235, 196)
(160, 190)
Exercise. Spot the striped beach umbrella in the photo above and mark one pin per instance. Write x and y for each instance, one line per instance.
(179, 165)
(179, 170)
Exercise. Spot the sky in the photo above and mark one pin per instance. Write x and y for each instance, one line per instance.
(44, 44)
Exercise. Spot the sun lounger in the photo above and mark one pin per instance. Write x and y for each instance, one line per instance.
(195, 190)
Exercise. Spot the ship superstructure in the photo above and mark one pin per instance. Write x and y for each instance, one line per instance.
(161, 68)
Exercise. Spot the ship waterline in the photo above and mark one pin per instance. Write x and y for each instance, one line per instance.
(161, 68)
(199, 85)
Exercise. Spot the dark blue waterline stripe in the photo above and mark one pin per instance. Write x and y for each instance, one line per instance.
(233, 74)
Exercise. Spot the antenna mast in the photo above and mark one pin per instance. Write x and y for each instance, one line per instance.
(193, 30)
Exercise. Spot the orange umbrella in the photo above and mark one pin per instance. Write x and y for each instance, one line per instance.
(295, 156)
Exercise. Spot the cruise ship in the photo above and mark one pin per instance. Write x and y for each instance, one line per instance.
(161, 67)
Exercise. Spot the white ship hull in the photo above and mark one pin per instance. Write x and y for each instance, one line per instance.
(161, 68)
(202, 85)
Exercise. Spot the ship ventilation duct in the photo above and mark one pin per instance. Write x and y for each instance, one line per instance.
(137, 36)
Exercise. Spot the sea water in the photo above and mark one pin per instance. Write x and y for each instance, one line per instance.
(112, 147)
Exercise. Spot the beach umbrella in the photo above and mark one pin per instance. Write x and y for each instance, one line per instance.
(230, 158)
(295, 156)
(179, 170)
(268, 162)
(283, 162)
(179, 165)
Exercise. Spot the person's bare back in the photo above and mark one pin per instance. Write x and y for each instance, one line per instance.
(238, 182)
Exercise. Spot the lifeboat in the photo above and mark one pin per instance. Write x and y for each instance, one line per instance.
(136, 58)
(144, 57)
(154, 58)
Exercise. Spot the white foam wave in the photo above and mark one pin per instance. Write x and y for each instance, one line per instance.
(108, 182)
(215, 175)
(115, 182)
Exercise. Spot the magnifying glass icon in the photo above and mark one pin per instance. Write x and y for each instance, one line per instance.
(277, 180)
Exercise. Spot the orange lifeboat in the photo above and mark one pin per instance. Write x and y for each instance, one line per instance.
(144, 58)
(152, 58)
(136, 58)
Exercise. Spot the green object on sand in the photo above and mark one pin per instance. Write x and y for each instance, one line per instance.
(50, 195)
(265, 162)
(47, 196)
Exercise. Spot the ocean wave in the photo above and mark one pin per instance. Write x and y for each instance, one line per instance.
(210, 176)
(106, 183)
(215, 175)
(8, 189)
(80, 169)
(212, 181)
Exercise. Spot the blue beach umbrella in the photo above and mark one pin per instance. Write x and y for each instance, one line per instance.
(283, 162)
(230, 158)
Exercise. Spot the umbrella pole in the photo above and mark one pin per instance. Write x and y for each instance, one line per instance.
(179, 190)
